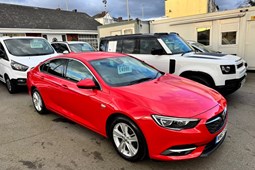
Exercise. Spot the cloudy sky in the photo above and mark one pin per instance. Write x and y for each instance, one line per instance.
(151, 8)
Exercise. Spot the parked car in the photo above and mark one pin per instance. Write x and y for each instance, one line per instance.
(72, 46)
(201, 47)
(18, 55)
(171, 54)
(142, 110)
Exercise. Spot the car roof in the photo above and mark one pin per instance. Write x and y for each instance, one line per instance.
(9, 38)
(69, 42)
(116, 37)
(88, 56)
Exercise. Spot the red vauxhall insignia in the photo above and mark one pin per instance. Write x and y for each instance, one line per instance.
(143, 111)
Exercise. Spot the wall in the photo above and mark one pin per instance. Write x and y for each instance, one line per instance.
(179, 8)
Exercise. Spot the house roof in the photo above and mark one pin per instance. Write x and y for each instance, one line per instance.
(100, 15)
(16, 16)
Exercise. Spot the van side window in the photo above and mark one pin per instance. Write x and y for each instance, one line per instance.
(2, 52)
(129, 46)
(60, 48)
(148, 45)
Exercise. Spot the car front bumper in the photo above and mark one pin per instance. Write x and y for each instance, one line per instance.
(231, 85)
(166, 144)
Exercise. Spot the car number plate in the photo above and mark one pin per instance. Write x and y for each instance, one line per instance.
(221, 135)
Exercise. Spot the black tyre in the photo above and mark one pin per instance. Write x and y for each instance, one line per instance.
(11, 86)
(128, 139)
(202, 80)
(38, 102)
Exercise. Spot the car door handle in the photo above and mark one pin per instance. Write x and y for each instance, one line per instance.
(41, 77)
(64, 86)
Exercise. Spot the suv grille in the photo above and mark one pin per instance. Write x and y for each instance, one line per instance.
(215, 123)
(240, 65)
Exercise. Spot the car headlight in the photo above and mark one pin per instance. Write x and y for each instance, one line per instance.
(175, 123)
(228, 69)
(18, 66)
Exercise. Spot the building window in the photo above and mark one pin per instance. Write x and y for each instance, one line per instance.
(228, 38)
(14, 35)
(128, 31)
(91, 39)
(203, 35)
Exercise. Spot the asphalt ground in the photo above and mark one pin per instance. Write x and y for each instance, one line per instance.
(32, 141)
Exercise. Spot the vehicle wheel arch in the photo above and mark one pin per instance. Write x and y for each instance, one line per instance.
(111, 120)
(186, 74)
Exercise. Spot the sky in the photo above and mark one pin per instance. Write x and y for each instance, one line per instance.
(116, 8)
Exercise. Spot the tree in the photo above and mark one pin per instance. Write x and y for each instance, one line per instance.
(252, 2)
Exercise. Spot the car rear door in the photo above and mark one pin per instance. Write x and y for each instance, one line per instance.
(50, 83)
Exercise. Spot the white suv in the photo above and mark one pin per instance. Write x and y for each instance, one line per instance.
(171, 54)
(18, 55)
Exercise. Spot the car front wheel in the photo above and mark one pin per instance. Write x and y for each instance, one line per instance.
(128, 140)
(11, 86)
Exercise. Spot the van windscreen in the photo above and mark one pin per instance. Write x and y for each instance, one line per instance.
(28, 47)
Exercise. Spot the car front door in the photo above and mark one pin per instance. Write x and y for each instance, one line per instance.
(82, 105)
(4, 62)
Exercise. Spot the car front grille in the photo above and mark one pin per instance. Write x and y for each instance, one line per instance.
(216, 123)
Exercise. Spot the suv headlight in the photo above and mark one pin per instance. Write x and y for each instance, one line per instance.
(18, 66)
(175, 123)
(228, 69)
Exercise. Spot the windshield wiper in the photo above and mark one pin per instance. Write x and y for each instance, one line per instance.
(140, 80)
(186, 52)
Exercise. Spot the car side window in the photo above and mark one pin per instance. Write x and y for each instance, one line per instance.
(55, 67)
(119, 46)
(2, 52)
(148, 45)
(60, 48)
(129, 46)
(76, 71)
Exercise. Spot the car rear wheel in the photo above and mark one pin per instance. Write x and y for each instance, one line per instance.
(128, 140)
(11, 86)
(38, 102)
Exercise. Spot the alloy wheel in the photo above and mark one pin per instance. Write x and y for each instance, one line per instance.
(37, 100)
(125, 139)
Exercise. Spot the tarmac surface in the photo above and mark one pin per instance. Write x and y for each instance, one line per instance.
(32, 141)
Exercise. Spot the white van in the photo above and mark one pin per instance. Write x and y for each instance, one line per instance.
(18, 55)
(171, 54)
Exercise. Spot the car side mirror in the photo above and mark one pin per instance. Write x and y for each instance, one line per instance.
(86, 84)
(157, 52)
(65, 52)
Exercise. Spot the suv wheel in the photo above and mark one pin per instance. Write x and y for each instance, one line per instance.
(202, 80)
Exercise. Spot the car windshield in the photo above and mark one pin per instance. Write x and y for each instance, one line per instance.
(176, 44)
(81, 47)
(124, 71)
(203, 47)
(28, 47)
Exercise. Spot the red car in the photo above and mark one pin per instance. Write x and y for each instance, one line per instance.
(143, 111)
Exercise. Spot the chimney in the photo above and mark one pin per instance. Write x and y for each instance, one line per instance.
(75, 10)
